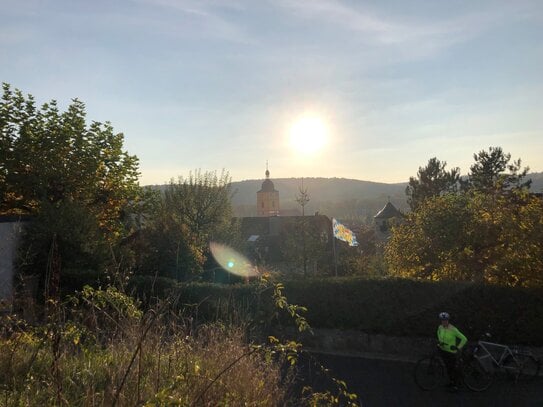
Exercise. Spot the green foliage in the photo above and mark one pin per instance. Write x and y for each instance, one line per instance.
(192, 212)
(100, 348)
(118, 305)
(493, 172)
(69, 225)
(304, 245)
(489, 232)
(396, 307)
(432, 180)
(291, 349)
(108, 352)
(253, 307)
(427, 243)
(364, 260)
(53, 157)
(473, 237)
(295, 311)
(76, 182)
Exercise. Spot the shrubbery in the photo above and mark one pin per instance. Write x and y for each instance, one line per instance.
(103, 350)
(101, 347)
(402, 307)
(397, 307)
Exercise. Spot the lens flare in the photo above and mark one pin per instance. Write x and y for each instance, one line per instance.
(232, 261)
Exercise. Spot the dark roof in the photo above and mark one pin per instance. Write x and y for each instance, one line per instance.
(272, 225)
(255, 226)
(389, 211)
(267, 186)
(290, 212)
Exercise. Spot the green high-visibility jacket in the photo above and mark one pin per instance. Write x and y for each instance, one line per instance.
(449, 337)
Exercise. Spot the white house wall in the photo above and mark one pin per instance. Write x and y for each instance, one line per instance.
(10, 233)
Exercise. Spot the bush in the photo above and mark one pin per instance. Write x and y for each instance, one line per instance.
(396, 307)
(402, 307)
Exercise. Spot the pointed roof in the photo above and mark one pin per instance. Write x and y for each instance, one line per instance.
(388, 211)
(267, 185)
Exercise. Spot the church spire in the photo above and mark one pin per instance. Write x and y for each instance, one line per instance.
(267, 199)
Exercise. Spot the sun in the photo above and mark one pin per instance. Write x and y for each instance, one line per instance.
(308, 135)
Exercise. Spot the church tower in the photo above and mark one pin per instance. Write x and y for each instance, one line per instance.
(267, 199)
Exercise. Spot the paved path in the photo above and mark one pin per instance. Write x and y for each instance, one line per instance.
(387, 383)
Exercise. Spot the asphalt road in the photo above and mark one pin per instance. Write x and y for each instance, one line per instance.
(390, 383)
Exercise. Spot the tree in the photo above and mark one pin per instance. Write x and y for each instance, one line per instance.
(193, 211)
(505, 236)
(304, 239)
(302, 200)
(431, 180)
(493, 172)
(73, 178)
(427, 243)
(54, 157)
(473, 236)
(490, 231)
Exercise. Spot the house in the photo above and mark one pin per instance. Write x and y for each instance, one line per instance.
(265, 236)
(11, 229)
(384, 219)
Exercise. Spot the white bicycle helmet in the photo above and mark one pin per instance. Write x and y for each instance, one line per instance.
(444, 315)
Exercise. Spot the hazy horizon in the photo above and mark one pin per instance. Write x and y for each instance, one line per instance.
(332, 177)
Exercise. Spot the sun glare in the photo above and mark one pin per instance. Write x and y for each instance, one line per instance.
(308, 135)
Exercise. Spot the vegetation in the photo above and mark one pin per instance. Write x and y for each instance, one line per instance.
(491, 231)
(108, 352)
(493, 172)
(432, 180)
(190, 213)
(303, 241)
(76, 182)
(395, 307)
(49, 157)
(92, 223)
(101, 347)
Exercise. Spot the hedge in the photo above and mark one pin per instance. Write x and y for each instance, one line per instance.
(396, 307)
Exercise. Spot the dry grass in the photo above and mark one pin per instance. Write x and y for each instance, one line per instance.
(106, 355)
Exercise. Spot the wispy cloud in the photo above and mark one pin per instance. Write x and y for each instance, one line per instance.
(413, 37)
(202, 18)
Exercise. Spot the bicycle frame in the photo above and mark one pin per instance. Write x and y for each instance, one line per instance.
(488, 360)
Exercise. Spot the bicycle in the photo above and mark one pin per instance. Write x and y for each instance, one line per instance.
(515, 362)
(478, 365)
(430, 372)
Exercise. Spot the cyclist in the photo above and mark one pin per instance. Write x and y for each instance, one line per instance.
(450, 341)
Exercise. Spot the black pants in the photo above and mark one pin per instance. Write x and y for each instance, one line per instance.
(451, 363)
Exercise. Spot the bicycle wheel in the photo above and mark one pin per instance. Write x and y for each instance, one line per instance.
(512, 367)
(529, 366)
(476, 377)
(429, 373)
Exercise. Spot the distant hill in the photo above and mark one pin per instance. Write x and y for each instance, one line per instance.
(335, 197)
(537, 181)
(339, 197)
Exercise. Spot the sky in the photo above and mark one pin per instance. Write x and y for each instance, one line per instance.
(215, 85)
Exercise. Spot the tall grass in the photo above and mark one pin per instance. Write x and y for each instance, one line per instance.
(102, 350)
